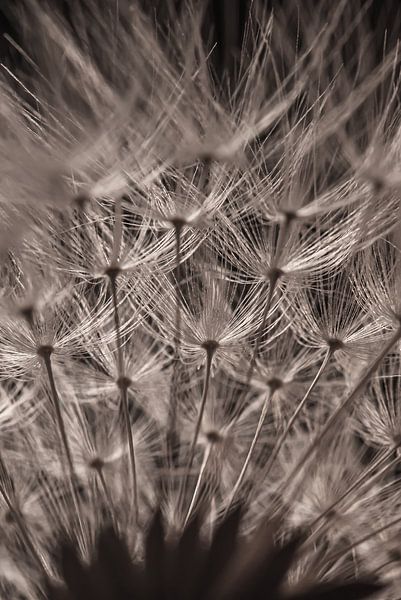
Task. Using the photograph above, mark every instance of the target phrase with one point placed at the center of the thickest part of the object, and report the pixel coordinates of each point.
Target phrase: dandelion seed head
(200, 293)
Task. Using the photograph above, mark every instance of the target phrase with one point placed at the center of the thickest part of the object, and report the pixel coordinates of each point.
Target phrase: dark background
(224, 22)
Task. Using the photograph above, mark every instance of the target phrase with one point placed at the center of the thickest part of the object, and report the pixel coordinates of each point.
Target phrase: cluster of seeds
(200, 294)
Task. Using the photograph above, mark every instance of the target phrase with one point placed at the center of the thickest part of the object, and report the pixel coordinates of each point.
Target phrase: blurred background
(224, 21)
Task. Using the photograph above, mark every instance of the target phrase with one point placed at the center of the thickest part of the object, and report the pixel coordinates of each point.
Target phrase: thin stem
(172, 426)
(241, 476)
(112, 272)
(274, 276)
(178, 226)
(205, 175)
(45, 353)
(210, 348)
(297, 411)
(177, 337)
(359, 387)
(117, 325)
(107, 495)
(123, 383)
(198, 483)
(117, 233)
(130, 438)
(273, 279)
